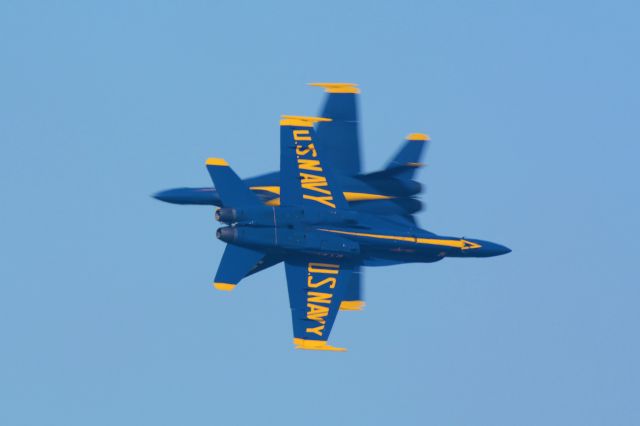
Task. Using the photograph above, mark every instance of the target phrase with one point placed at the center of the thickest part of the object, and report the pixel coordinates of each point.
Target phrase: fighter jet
(322, 239)
(391, 190)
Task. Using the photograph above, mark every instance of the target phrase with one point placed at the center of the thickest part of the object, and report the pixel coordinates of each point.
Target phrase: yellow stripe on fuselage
(349, 196)
(379, 236)
(461, 244)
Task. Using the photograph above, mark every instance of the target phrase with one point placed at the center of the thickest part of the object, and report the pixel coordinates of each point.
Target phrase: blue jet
(390, 191)
(322, 239)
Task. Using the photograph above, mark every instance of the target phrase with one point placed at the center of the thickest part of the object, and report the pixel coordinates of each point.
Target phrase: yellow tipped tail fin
(316, 345)
(216, 162)
(338, 87)
(301, 121)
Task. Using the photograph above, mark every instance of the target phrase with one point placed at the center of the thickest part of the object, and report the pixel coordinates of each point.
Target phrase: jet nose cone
(500, 250)
(166, 196)
(493, 249)
(203, 196)
(486, 249)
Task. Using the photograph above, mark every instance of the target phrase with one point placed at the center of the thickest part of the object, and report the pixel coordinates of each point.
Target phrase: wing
(266, 262)
(238, 262)
(306, 175)
(316, 288)
(340, 138)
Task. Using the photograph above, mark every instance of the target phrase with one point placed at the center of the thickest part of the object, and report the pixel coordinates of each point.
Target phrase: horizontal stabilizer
(237, 262)
(232, 190)
(265, 263)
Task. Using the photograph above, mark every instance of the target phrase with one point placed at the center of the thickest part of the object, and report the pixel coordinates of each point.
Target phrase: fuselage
(372, 193)
(373, 240)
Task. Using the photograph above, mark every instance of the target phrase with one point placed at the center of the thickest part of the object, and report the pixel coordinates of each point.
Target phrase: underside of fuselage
(374, 240)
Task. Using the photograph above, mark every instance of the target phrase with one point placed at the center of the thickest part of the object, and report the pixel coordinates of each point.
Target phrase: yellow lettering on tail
(301, 135)
(323, 268)
(316, 330)
(327, 280)
(313, 165)
(314, 182)
(326, 200)
(317, 297)
(317, 312)
(301, 151)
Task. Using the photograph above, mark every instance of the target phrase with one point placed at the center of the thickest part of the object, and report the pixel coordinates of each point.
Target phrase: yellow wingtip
(315, 345)
(301, 121)
(352, 305)
(224, 286)
(418, 137)
(216, 162)
(337, 87)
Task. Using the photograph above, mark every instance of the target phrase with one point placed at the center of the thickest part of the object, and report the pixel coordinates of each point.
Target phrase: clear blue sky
(107, 315)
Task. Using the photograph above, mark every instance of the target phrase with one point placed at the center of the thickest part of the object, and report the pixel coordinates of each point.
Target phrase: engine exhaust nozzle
(228, 215)
(227, 234)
